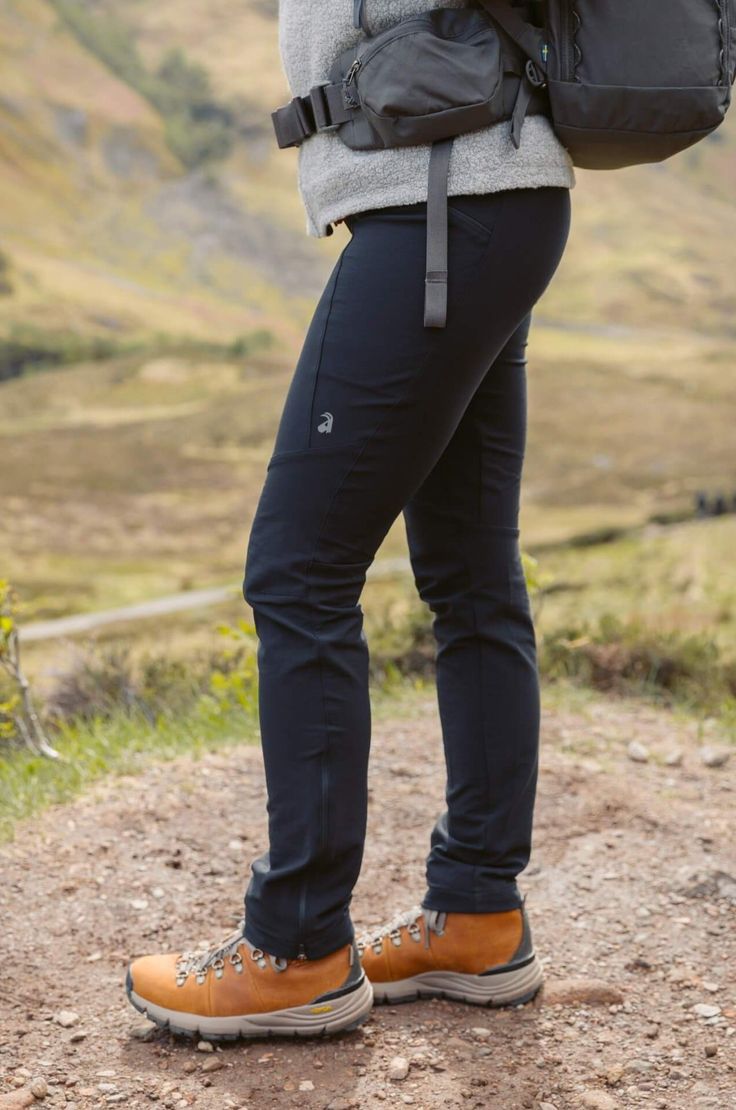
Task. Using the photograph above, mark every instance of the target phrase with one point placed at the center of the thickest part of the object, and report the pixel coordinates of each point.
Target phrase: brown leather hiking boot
(483, 958)
(236, 990)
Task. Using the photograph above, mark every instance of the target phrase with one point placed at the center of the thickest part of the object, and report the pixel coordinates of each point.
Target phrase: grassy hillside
(105, 229)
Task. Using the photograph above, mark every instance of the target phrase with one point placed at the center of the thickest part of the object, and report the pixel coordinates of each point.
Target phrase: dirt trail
(632, 881)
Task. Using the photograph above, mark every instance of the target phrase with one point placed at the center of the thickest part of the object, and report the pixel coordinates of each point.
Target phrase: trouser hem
(506, 896)
(290, 947)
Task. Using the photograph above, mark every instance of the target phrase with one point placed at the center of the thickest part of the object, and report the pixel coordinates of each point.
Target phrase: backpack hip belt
(376, 97)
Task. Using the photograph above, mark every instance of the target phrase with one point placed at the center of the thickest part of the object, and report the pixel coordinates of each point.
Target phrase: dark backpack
(623, 82)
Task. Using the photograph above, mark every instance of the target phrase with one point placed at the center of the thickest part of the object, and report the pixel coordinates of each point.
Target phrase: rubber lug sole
(514, 987)
(298, 1021)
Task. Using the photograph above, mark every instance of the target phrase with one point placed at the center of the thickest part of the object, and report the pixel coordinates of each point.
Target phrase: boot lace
(434, 922)
(198, 962)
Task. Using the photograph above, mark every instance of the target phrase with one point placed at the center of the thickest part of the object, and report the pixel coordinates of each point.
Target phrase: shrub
(615, 656)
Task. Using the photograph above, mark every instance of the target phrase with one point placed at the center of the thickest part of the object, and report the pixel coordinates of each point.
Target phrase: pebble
(673, 758)
(306, 1085)
(706, 1010)
(142, 1032)
(711, 1050)
(398, 1069)
(16, 1100)
(594, 992)
(481, 1033)
(637, 1065)
(714, 757)
(205, 1046)
(638, 752)
(39, 1087)
(614, 1074)
(597, 1100)
(213, 1064)
(80, 1035)
(66, 1018)
(342, 1104)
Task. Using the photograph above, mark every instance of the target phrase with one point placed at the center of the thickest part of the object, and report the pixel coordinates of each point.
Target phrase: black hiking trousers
(385, 416)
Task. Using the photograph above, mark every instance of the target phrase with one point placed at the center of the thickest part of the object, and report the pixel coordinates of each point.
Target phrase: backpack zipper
(568, 49)
(368, 54)
(725, 25)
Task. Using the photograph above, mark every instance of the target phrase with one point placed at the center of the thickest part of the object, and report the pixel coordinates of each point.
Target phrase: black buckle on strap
(320, 107)
(302, 116)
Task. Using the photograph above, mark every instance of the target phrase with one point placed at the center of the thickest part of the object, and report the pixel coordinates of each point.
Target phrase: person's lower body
(382, 416)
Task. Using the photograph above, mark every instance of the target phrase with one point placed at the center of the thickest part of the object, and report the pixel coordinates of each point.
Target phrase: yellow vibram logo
(323, 1009)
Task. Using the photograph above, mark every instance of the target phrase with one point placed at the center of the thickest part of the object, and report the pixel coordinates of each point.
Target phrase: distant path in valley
(164, 606)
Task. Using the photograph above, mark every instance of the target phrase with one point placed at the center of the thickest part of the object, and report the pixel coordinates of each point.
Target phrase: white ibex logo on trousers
(326, 425)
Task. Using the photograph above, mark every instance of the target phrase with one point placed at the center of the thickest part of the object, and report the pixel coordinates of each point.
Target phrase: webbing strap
(521, 104)
(525, 35)
(435, 280)
(359, 16)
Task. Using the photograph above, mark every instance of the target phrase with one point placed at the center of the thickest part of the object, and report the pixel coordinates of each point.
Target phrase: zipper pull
(348, 80)
(350, 75)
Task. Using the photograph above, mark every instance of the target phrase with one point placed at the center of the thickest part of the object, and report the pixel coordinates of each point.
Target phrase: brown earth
(632, 881)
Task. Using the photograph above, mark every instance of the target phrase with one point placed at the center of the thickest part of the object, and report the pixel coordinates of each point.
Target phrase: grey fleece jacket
(334, 180)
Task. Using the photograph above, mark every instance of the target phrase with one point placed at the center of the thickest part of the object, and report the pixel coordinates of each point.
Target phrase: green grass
(123, 744)
(127, 743)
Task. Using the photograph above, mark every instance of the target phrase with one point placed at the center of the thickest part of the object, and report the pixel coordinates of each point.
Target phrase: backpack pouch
(423, 79)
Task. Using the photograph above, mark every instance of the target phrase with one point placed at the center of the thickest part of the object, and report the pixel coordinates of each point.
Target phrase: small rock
(66, 1018)
(673, 758)
(638, 752)
(39, 1087)
(139, 903)
(398, 1069)
(714, 757)
(547, 1106)
(710, 986)
(481, 1033)
(711, 1050)
(594, 992)
(637, 1065)
(306, 1085)
(80, 1035)
(597, 1100)
(143, 1032)
(205, 1046)
(213, 1064)
(706, 1010)
(16, 1100)
(189, 1066)
(614, 1075)
(341, 1104)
